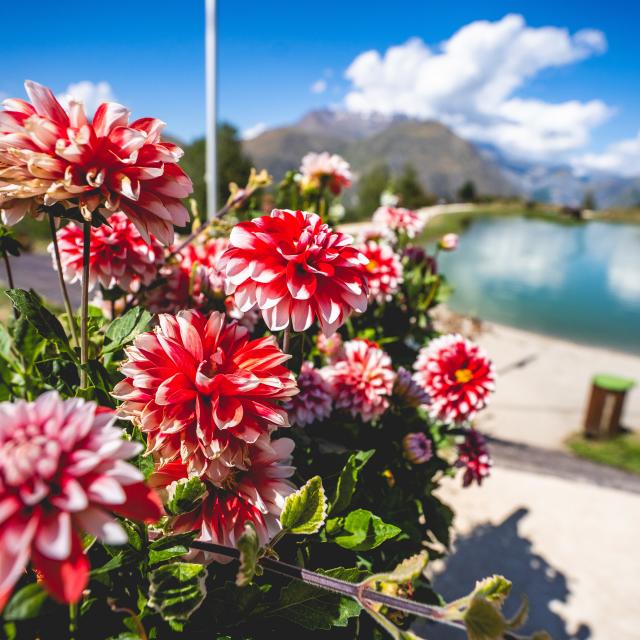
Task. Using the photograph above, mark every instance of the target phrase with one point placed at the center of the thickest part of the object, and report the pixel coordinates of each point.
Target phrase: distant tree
(589, 201)
(467, 192)
(412, 194)
(233, 165)
(370, 188)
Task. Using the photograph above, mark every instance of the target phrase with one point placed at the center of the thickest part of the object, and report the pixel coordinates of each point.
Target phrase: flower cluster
(314, 402)
(49, 155)
(400, 220)
(362, 380)
(62, 474)
(118, 256)
(457, 375)
(324, 169)
(473, 456)
(295, 269)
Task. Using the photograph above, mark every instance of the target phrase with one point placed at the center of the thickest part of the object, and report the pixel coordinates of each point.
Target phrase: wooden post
(606, 403)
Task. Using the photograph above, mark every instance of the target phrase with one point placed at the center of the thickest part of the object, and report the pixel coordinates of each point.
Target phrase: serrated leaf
(304, 511)
(125, 328)
(361, 530)
(483, 620)
(26, 603)
(314, 608)
(409, 569)
(170, 547)
(249, 547)
(176, 590)
(184, 495)
(495, 588)
(45, 323)
(348, 480)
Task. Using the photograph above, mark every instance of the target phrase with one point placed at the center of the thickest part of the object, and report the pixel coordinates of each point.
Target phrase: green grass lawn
(622, 451)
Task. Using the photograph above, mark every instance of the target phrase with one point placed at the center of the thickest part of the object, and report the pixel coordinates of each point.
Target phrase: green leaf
(483, 620)
(185, 495)
(114, 563)
(47, 325)
(125, 328)
(496, 589)
(249, 547)
(361, 530)
(25, 603)
(314, 608)
(408, 570)
(348, 480)
(5, 343)
(170, 547)
(176, 590)
(304, 511)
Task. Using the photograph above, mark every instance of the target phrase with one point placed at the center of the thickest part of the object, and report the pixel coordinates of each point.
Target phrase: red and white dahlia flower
(330, 347)
(363, 380)
(313, 403)
(118, 255)
(63, 473)
(202, 391)
(400, 220)
(473, 455)
(49, 155)
(457, 375)
(295, 268)
(384, 270)
(191, 279)
(256, 495)
(325, 169)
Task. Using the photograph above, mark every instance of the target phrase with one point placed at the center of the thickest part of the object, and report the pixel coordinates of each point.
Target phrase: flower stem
(73, 620)
(63, 286)
(285, 339)
(7, 266)
(84, 309)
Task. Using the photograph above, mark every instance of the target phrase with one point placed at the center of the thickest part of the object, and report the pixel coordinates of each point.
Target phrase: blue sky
(271, 53)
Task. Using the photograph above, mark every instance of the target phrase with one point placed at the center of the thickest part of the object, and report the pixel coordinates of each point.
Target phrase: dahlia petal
(301, 315)
(66, 579)
(53, 538)
(142, 504)
(103, 526)
(106, 490)
(108, 116)
(72, 496)
(14, 558)
(45, 102)
(277, 317)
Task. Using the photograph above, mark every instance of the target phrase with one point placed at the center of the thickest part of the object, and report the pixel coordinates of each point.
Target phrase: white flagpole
(211, 173)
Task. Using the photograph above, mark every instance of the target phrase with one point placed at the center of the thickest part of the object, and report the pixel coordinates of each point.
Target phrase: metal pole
(211, 173)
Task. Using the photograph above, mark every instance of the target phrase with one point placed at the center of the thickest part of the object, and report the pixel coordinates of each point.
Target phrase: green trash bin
(606, 403)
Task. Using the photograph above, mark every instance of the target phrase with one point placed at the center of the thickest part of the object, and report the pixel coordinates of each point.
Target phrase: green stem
(84, 309)
(7, 266)
(63, 286)
(73, 620)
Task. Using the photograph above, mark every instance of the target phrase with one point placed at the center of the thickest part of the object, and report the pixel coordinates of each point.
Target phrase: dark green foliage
(412, 193)
(370, 188)
(467, 192)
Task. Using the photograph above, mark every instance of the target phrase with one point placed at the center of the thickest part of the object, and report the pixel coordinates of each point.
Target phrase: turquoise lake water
(580, 282)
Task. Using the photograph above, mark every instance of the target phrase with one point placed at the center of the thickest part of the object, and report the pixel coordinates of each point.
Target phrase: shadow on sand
(490, 549)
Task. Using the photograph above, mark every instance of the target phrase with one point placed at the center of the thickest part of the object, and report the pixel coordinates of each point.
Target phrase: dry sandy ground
(571, 547)
(544, 401)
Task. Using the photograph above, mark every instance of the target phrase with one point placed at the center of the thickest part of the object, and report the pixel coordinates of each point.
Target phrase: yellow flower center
(463, 375)
(372, 266)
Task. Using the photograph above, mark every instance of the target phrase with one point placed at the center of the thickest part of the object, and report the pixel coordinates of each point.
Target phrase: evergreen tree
(412, 194)
(589, 201)
(467, 192)
(370, 188)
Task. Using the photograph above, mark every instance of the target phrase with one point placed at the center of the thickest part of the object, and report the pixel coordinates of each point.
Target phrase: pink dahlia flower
(325, 169)
(49, 155)
(363, 380)
(119, 255)
(313, 403)
(384, 271)
(417, 448)
(202, 391)
(458, 376)
(255, 494)
(401, 220)
(473, 455)
(295, 268)
(330, 347)
(63, 473)
(192, 279)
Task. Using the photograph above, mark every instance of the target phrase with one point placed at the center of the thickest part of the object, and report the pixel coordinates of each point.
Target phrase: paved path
(571, 547)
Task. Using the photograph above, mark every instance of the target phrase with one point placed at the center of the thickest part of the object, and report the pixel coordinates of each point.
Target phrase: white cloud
(90, 93)
(319, 86)
(469, 82)
(254, 131)
(622, 157)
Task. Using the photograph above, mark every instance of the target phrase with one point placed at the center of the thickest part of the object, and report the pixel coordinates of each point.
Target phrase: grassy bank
(622, 451)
